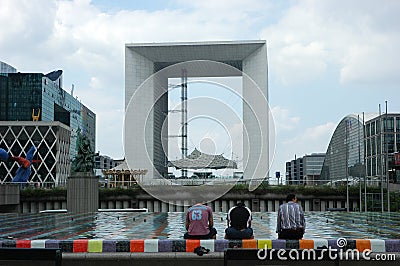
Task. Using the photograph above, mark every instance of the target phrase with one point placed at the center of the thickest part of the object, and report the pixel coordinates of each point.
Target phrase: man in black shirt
(239, 223)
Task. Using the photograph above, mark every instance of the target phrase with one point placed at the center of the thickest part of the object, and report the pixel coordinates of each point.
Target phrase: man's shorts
(232, 233)
(210, 235)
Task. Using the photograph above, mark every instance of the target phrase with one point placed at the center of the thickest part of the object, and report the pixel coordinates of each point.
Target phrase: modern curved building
(6, 68)
(345, 154)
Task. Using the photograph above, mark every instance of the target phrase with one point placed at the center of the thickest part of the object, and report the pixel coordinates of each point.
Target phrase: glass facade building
(36, 96)
(345, 154)
(6, 68)
(382, 140)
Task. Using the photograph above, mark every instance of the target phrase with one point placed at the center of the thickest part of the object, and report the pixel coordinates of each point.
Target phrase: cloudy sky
(326, 58)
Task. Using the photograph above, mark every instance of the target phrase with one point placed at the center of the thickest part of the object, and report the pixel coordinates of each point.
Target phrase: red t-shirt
(198, 216)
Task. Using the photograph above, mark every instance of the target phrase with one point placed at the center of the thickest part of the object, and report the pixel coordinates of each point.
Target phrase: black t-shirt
(239, 217)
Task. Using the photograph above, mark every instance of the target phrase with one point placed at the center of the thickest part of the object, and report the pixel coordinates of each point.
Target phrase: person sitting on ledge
(239, 222)
(199, 223)
(290, 220)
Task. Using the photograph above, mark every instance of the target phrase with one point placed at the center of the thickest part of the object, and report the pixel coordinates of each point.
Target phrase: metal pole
(387, 157)
(184, 118)
(380, 155)
(366, 167)
(347, 172)
(359, 163)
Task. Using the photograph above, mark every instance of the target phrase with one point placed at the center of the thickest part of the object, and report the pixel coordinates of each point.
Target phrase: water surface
(130, 225)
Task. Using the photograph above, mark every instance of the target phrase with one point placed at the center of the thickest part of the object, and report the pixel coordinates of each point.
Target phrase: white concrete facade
(248, 58)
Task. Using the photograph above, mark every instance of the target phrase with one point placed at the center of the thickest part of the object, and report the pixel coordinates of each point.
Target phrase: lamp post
(346, 164)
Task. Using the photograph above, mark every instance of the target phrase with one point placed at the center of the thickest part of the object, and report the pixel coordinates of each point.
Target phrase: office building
(39, 97)
(382, 140)
(344, 161)
(29, 98)
(6, 68)
(305, 170)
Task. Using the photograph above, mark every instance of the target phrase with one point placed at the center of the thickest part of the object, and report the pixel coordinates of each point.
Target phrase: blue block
(164, 245)
(392, 245)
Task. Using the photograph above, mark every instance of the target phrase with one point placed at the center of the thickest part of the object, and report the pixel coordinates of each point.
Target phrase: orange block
(23, 244)
(137, 245)
(363, 244)
(80, 245)
(249, 243)
(306, 244)
(191, 244)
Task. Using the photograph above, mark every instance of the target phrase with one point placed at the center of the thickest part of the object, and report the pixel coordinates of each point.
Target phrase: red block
(80, 245)
(306, 244)
(363, 244)
(191, 244)
(249, 243)
(137, 245)
(23, 244)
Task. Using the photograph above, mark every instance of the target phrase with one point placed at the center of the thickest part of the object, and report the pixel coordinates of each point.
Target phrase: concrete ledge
(153, 259)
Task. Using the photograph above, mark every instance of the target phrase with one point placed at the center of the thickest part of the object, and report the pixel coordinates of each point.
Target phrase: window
(389, 124)
(397, 124)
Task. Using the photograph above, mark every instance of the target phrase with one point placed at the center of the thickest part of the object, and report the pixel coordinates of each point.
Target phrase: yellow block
(264, 243)
(95, 245)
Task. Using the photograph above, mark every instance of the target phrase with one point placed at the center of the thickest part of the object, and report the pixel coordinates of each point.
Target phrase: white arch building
(144, 133)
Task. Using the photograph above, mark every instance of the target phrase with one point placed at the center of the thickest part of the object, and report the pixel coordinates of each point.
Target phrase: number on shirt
(196, 215)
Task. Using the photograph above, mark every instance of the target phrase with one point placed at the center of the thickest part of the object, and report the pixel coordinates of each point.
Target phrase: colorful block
(207, 243)
(123, 246)
(23, 244)
(179, 245)
(378, 245)
(333, 244)
(292, 244)
(320, 243)
(137, 245)
(52, 243)
(95, 245)
(249, 243)
(279, 244)
(80, 245)
(109, 246)
(235, 243)
(39, 243)
(151, 245)
(392, 245)
(363, 244)
(351, 244)
(66, 245)
(306, 244)
(220, 245)
(191, 244)
(165, 245)
(9, 243)
(264, 244)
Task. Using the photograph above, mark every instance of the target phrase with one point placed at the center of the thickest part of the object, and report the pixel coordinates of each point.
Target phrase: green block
(95, 245)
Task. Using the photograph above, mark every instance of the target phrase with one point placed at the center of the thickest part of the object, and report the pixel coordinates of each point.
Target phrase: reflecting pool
(132, 225)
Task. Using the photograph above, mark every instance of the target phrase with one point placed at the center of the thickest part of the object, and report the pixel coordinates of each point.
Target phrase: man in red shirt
(199, 223)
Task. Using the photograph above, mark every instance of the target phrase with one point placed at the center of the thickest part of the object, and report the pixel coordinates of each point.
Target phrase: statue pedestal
(9, 198)
(82, 193)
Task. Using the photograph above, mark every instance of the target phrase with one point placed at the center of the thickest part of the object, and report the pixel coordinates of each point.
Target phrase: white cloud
(318, 136)
(356, 39)
(283, 120)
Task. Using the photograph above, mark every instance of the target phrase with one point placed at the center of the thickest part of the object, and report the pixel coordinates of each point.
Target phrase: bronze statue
(84, 159)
